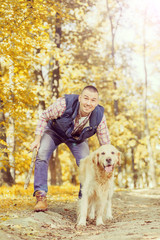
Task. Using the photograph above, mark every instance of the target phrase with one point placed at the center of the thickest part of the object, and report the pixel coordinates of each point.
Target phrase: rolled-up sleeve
(52, 112)
(103, 132)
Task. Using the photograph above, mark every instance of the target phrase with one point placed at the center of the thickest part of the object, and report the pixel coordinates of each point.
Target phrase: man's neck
(81, 114)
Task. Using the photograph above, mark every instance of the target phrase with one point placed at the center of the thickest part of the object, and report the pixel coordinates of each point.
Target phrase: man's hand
(36, 143)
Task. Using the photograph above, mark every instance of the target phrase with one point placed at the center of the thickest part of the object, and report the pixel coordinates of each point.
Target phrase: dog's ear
(95, 158)
(119, 158)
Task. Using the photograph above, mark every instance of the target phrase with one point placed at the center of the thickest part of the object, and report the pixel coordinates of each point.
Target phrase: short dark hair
(91, 88)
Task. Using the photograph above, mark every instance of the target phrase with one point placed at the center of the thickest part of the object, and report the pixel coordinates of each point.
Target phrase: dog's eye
(103, 153)
(112, 152)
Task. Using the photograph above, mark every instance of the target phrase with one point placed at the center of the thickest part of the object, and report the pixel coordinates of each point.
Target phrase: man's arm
(36, 143)
(103, 132)
(52, 112)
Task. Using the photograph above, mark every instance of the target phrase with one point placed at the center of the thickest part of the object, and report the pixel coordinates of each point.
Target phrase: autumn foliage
(50, 48)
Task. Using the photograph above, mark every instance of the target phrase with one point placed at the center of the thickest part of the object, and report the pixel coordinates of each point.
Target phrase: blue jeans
(49, 142)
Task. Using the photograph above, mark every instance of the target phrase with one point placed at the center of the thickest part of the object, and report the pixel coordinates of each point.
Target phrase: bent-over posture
(71, 119)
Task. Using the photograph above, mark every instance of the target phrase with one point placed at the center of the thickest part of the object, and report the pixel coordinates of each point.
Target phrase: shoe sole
(41, 210)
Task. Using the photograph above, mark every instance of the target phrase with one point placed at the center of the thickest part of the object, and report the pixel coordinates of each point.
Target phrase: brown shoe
(41, 205)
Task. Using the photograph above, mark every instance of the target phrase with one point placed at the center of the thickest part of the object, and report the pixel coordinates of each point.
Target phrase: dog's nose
(108, 160)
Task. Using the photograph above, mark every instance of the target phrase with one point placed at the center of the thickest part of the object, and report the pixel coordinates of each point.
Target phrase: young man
(70, 120)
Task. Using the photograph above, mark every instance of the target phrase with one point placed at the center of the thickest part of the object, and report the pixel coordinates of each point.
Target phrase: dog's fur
(96, 173)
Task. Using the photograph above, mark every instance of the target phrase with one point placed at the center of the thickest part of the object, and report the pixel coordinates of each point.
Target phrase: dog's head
(107, 157)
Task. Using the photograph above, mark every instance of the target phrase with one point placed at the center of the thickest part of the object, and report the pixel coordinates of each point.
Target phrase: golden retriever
(96, 173)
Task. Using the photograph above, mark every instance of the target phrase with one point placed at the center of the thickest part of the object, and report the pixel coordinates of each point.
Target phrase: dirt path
(136, 217)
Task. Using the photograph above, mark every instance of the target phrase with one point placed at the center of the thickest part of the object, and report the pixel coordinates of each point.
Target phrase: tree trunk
(55, 169)
(151, 170)
(113, 27)
(5, 175)
(11, 147)
(40, 82)
(135, 176)
(54, 68)
(54, 78)
(11, 136)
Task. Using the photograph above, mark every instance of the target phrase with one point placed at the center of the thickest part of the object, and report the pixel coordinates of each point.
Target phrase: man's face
(88, 101)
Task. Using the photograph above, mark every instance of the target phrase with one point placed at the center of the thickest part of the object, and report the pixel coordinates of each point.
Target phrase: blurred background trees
(49, 48)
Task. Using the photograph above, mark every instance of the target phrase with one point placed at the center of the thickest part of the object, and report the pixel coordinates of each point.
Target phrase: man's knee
(43, 154)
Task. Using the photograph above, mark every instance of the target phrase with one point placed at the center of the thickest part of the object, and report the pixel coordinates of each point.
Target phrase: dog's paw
(99, 222)
(81, 223)
(109, 217)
